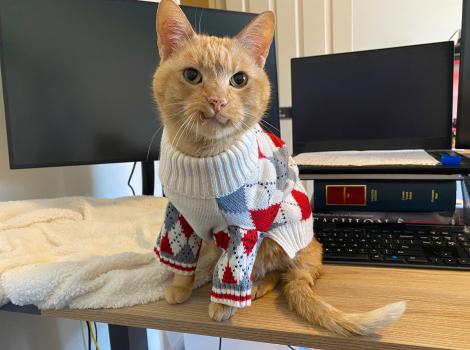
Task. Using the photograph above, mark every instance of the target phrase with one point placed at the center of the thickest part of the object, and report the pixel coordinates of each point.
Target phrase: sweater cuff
(231, 296)
(174, 265)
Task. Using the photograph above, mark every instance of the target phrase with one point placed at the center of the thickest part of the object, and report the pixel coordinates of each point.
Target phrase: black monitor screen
(463, 109)
(77, 78)
(397, 98)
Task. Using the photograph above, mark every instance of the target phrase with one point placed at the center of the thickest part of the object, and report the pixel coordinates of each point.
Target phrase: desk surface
(437, 317)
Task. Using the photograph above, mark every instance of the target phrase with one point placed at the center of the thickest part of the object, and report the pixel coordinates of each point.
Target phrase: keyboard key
(376, 257)
(352, 257)
(406, 236)
(410, 252)
(450, 261)
(394, 259)
(464, 262)
(445, 255)
(417, 260)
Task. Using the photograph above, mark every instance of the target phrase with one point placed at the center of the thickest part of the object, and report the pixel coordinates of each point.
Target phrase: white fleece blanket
(82, 252)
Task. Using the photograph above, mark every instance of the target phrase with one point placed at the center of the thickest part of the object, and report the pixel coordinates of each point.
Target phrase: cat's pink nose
(217, 103)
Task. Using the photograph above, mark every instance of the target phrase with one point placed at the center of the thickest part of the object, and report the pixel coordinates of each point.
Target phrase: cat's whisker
(247, 127)
(187, 124)
(265, 122)
(182, 128)
(179, 130)
(151, 141)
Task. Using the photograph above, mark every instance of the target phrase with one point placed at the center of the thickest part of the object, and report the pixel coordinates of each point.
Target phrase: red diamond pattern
(276, 140)
(187, 229)
(263, 218)
(165, 244)
(249, 240)
(302, 200)
(228, 275)
(222, 239)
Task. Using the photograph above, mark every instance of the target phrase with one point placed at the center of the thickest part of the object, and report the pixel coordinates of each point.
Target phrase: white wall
(386, 23)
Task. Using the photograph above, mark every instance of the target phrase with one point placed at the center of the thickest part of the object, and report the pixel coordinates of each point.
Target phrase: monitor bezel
(444, 142)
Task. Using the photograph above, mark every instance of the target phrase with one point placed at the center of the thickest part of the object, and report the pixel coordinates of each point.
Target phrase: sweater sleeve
(232, 280)
(178, 245)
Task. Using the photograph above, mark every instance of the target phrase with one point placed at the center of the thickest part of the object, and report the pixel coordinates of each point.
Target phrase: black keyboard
(396, 245)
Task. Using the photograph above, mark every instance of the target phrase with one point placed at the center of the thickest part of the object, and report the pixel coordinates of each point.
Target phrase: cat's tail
(301, 298)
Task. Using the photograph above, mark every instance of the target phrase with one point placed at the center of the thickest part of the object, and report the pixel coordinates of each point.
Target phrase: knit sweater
(238, 197)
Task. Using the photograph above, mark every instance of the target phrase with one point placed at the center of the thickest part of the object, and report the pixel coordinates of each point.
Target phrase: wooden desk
(438, 314)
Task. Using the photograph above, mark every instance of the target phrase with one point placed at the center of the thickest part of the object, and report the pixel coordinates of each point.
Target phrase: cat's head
(210, 88)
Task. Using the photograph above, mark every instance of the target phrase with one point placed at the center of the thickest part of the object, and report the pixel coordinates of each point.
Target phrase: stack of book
(388, 201)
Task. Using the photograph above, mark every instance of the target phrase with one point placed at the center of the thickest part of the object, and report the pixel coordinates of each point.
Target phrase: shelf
(438, 314)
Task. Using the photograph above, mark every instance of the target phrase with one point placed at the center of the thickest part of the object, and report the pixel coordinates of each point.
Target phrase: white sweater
(238, 197)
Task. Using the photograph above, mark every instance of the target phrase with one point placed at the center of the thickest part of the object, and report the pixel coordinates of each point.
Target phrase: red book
(346, 195)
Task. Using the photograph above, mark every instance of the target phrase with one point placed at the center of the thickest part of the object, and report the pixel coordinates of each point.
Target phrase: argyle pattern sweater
(237, 198)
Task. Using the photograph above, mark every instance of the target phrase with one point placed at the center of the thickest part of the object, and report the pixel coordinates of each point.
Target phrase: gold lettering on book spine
(406, 195)
(373, 195)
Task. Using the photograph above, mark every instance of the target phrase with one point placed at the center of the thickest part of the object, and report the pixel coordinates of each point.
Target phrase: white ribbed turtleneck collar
(209, 177)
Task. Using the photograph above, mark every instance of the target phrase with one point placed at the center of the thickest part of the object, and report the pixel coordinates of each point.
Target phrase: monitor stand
(148, 178)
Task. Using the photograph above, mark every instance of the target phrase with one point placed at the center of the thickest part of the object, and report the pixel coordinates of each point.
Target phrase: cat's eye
(238, 80)
(192, 76)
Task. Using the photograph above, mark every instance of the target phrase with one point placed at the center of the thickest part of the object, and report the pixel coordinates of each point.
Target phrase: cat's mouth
(215, 120)
(213, 125)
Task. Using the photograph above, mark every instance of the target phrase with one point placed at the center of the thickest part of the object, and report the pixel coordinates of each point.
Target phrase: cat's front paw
(221, 312)
(260, 289)
(177, 294)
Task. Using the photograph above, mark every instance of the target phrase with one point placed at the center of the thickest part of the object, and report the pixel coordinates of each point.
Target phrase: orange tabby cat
(204, 115)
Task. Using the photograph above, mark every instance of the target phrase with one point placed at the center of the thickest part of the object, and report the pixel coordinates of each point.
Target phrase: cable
(291, 347)
(93, 337)
(96, 331)
(220, 343)
(130, 178)
(89, 335)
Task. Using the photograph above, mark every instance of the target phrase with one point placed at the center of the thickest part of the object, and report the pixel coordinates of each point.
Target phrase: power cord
(89, 335)
(130, 178)
(96, 331)
(291, 347)
(220, 343)
(92, 335)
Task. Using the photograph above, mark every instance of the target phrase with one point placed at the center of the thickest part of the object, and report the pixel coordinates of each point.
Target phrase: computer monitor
(396, 98)
(77, 78)
(462, 139)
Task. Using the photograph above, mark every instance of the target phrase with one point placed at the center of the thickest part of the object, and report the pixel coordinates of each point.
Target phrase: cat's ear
(173, 28)
(257, 36)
